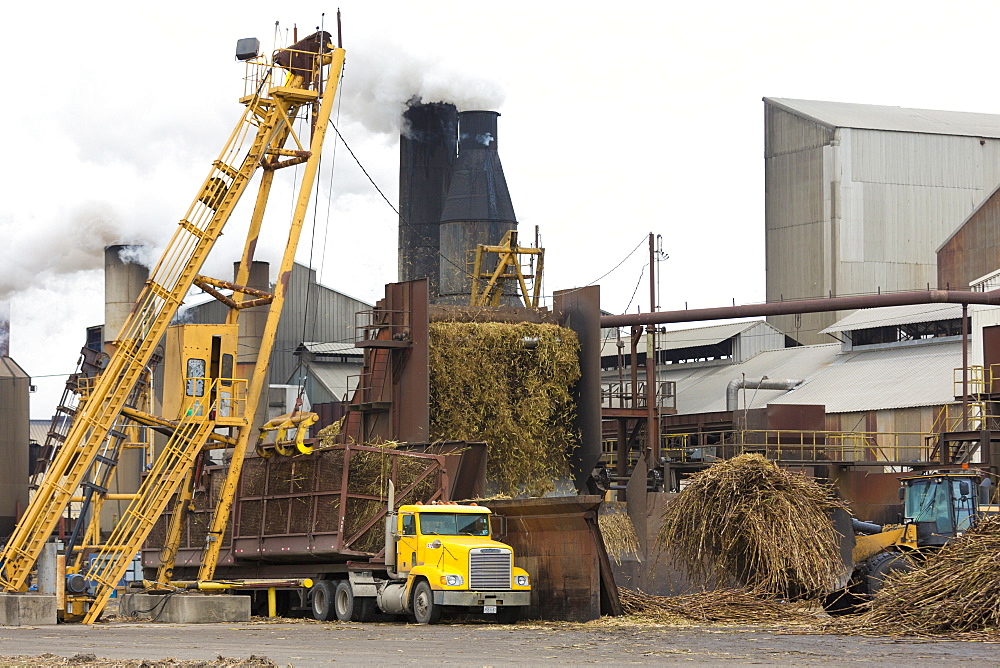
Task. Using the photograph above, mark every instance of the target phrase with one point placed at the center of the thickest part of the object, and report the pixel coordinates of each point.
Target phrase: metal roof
(900, 119)
(920, 374)
(688, 338)
(338, 378)
(701, 388)
(38, 430)
(330, 348)
(894, 315)
(899, 377)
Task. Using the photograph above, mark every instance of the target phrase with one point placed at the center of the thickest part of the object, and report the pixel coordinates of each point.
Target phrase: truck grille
(489, 568)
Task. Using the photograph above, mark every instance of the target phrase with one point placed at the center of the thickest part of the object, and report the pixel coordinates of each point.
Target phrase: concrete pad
(186, 607)
(27, 609)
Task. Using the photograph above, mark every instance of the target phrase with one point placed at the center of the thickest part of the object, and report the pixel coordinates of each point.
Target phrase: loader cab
(941, 505)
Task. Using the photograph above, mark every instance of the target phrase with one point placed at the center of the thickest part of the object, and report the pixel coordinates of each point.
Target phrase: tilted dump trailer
(324, 518)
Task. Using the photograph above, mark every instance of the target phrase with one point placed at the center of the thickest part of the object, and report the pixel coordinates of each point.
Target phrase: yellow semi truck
(439, 557)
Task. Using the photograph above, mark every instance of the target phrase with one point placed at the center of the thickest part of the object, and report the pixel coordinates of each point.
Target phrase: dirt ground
(302, 643)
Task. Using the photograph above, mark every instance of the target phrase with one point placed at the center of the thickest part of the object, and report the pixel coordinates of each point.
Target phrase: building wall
(974, 249)
(14, 388)
(906, 423)
(853, 211)
(314, 313)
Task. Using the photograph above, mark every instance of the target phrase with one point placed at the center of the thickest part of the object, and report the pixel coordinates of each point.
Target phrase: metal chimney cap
(477, 130)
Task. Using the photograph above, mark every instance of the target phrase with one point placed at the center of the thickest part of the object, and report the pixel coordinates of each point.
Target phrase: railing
(798, 446)
(620, 395)
(229, 395)
(380, 325)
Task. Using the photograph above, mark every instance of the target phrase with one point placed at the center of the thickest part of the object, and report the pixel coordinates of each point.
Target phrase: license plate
(490, 609)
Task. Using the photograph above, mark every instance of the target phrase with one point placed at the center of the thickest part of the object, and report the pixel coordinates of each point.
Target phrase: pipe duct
(765, 383)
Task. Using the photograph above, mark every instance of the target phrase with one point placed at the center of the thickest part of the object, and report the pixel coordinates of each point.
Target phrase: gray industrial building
(312, 312)
(858, 198)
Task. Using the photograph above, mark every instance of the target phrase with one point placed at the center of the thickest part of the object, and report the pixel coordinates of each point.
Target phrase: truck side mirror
(902, 492)
(984, 491)
(964, 489)
(498, 526)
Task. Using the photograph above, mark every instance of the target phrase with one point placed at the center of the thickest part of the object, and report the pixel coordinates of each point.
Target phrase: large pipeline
(991, 298)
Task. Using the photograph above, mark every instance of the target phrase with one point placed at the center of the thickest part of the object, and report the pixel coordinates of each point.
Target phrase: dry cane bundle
(620, 539)
(957, 589)
(511, 386)
(746, 521)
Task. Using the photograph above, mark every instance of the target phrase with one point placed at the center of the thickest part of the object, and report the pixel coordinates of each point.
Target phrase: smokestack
(4, 329)
(427, 148)
(478, 209)
(123, 282)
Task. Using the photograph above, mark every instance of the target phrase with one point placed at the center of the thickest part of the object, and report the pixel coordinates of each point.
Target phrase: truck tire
(881, 565)
(351, 608)
(322, 594)
(425, 611)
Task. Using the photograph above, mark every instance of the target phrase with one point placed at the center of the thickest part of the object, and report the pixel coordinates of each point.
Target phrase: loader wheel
(425, 611)
(881, 565)
(846, 601)
(322, 601)
(351, 608)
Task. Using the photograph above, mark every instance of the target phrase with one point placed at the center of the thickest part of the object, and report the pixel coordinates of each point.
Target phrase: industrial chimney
(478, 209)
(123, 282)
(427, 148)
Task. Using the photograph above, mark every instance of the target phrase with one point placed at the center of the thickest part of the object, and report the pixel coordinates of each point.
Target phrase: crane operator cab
(942, 505)
(200, 375)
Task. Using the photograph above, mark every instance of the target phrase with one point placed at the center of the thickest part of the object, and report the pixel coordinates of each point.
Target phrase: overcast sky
(617, 120)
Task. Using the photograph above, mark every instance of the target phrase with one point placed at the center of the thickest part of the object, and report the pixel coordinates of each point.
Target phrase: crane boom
(311, 70)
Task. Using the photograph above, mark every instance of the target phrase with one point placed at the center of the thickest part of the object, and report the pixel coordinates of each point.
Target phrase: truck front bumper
(477, 599)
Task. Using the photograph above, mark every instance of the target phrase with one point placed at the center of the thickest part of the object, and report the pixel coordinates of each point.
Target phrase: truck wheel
(425, 611)
(351, 608)
(883, 563)
(322, 600)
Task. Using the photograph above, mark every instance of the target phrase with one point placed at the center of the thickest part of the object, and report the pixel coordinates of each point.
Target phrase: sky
(617, 120)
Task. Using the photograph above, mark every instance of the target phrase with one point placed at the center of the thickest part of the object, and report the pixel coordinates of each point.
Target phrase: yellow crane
(206, 405)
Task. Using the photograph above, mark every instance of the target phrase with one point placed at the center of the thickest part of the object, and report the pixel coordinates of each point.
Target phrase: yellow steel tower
(206, 405)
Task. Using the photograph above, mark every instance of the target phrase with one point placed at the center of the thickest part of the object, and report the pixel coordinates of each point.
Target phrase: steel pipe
(991, 298)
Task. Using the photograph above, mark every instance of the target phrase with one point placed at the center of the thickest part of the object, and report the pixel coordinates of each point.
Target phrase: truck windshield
(454, 524)
(939, 500)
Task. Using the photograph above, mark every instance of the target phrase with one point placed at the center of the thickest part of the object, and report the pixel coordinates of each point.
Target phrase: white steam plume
(74, 244)
(380, 78)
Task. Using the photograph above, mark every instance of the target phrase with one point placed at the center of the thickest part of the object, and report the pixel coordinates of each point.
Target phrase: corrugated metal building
(859, 197)
(896, 385)
(973, 250)
(312, 312)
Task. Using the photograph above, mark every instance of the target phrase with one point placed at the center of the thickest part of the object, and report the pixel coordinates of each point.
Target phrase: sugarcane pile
(956, 590)
(746, 522)
(740, 606)
(509, 385)
(620, 539)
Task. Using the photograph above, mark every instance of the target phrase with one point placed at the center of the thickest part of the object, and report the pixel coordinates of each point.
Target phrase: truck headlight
(452, 580)
(521, 580)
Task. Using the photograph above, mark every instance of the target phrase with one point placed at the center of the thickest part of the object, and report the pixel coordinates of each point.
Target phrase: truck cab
(448, 558)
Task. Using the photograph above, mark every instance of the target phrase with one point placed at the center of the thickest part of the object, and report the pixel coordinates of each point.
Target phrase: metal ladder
(263, 124)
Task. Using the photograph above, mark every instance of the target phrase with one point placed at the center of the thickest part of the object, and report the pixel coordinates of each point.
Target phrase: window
(195, 385)
(227, 370)
(409, 525)
(454, 524)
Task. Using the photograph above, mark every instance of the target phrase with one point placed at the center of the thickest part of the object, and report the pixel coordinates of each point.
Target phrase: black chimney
(478, 209)
(427, 148)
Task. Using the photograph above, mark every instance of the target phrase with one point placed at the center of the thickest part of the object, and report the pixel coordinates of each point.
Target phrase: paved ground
(303, 644)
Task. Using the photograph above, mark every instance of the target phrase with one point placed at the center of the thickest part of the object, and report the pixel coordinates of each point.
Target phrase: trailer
(349, 532)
